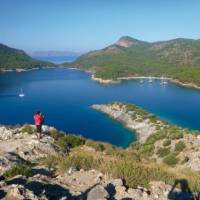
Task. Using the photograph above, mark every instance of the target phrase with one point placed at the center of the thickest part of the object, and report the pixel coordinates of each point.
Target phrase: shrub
(175, 134)
(179, 146)
(69, 141)
(27, 129)
(162, 152)
(166, 142)
(20, 169)
(96, 145)
(171, 159)
(51, 161)
(79, 161)
(54, 133)
(147, 150)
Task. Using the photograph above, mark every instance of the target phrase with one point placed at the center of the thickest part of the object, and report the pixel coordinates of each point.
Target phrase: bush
(171, 159)
(27, 129)
(96, 145)
(175, 134)
(20, 169)
(179, 146)
(51, 161)
(54, 133)
(166, 142)
(79, 161)
(162, 152)
(69, 141)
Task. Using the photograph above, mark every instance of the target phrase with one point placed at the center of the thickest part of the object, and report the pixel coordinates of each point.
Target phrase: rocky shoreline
(142, 128)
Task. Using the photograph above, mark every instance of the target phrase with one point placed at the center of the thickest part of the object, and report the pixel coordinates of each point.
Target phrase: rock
(117, 182)
(18, 192)
(98, 193)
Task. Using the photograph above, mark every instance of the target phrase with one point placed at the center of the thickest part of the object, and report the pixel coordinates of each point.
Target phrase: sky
(84, 25)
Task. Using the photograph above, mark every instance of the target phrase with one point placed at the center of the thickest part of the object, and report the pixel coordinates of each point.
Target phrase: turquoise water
(65, 97)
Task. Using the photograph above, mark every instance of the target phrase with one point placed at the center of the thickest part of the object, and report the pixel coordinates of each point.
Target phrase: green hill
(178, 59)
(11, 58)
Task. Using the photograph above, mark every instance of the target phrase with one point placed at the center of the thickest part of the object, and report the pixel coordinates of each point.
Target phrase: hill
(177, 59)
(11, 58)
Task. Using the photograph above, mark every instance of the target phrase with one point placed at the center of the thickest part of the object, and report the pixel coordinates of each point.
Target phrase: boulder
(98, 193)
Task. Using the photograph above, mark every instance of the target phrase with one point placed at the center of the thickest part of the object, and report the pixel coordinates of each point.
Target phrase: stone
(98, 193)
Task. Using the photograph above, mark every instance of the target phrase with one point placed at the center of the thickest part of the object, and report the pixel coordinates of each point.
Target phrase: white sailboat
(141, 81)
(150, 79)
(21, 94)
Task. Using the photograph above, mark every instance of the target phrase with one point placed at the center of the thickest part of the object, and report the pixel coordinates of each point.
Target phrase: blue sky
(83, 25)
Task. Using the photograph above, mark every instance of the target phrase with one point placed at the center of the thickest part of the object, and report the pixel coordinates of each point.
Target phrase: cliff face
(32, 169)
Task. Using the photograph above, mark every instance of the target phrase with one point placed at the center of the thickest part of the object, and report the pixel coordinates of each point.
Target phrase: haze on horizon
(77, 25)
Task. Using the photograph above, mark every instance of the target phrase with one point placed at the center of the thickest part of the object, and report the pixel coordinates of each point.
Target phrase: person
(39, 119)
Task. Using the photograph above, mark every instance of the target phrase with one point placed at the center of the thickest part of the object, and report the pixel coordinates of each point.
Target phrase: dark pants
(39, 128)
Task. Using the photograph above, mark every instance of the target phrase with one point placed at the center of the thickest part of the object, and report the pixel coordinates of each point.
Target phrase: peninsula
(157, 139)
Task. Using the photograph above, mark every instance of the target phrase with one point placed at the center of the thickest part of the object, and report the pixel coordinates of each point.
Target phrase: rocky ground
(44, 183)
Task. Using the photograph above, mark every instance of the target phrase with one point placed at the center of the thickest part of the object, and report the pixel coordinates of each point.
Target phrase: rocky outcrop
(43, 186)
(17, 146)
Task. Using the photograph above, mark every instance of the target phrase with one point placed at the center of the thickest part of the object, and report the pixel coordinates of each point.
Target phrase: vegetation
(166, 142)
(179, 146)
(27, 129)
(19, 169)
(11, 58)
(178, 59)
(123, 164)
(171, 159)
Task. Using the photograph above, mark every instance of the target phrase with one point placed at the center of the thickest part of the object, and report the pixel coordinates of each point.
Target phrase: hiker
(39, 118)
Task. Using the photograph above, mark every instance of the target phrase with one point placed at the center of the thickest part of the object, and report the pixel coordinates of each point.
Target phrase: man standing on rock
(39, 118)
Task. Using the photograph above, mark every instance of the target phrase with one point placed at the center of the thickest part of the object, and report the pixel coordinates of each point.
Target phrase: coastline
(175, 81)
(3, 70)
(117, 111)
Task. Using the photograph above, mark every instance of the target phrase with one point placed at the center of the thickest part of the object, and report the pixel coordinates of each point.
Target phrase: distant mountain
(11, 58)
(177, 58)
(53, 53)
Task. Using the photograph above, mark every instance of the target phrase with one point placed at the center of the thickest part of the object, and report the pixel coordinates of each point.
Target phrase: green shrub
(162, 152)
(69, 141)
(50, 161)
(20, 169)
(175, 134)
(147, 150)
(54, 133)
(166, 142)
(27, 129)
(179, 146)
(171, 159)
(96, 145)
(79, 161)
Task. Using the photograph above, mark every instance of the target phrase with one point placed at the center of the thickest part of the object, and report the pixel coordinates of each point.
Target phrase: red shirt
(38, 119)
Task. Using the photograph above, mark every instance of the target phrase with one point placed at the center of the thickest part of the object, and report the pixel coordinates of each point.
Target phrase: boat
(163, 81)
(141, 81)
(21, 94)
(150, 79)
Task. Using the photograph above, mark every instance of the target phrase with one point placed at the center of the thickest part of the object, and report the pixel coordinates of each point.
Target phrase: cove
(65, 97)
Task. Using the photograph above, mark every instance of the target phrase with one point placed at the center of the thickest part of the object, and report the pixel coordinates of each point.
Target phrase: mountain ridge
(178, 58)
(12, 58)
